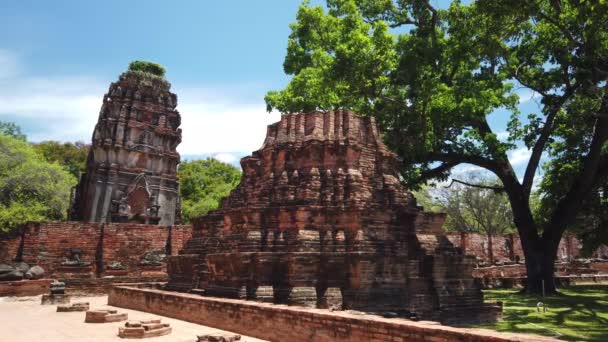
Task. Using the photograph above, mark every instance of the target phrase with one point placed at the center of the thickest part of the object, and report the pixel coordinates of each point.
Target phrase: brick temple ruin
(125, 208)
(131, 168)
(320, 218)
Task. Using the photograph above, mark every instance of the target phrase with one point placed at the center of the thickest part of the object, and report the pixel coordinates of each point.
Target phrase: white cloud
(526, 95)
(519, 156)
(214, 120)
(502, 136)
(221, 124)
(228, 158)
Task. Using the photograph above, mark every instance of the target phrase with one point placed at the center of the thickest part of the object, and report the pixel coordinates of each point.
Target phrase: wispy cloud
(214, 121)
(519, 156)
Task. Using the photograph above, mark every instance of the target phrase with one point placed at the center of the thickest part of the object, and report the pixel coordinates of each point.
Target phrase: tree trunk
(490, 249)
(540, 266)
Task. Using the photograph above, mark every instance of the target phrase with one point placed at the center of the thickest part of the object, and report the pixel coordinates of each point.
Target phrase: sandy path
(24, 319)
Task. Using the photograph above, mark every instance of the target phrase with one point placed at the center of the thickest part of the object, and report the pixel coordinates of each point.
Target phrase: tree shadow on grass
(577, 313)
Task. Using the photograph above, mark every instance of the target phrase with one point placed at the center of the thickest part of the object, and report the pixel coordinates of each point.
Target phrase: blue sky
(57, 59)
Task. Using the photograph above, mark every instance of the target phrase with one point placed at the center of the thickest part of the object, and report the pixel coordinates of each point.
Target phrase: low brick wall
(295, 324)
(48, 244)
(23, 288)
(103, 285)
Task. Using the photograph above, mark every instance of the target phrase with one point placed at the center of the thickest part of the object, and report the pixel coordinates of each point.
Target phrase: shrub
(149, 67)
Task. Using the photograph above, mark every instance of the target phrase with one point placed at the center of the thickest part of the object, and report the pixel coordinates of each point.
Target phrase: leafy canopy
(203, 183)
(31, 189)
(72, 156)
(433, 76)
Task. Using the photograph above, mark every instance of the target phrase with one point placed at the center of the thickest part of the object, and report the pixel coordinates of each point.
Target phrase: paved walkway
(24, 319)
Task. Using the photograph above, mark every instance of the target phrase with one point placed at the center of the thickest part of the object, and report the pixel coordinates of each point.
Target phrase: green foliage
(425, 197)
(148, 67)
(72, 156)
(30, 188)
(579, 313)
(431, 77)
(12, 130)
(203, 183)
(477, 209)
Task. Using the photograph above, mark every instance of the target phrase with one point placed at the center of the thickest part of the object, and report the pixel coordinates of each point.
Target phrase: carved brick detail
(131, 168)
(320, 218)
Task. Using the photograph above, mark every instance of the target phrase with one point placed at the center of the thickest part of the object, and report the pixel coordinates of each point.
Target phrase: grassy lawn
(579, 313)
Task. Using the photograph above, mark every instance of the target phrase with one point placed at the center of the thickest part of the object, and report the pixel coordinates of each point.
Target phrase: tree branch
(497, 189)
(434, 19)
(539, 146)
(407, 21)
(446, 166)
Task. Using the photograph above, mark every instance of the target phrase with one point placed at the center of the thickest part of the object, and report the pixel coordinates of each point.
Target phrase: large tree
(432, 77)
(203, 183)
(31, 189)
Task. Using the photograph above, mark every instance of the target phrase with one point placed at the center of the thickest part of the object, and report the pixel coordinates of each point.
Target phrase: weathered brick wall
(10, 245)
(477, 244)
(296, 324)
(180, 234)
(24, 287)
(48, 244)
(127, 244)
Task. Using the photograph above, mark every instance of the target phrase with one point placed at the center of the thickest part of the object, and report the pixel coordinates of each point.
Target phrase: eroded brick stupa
(320, 218)
(131, 167)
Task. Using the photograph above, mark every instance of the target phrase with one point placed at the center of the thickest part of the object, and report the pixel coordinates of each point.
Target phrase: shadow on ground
(578, 313)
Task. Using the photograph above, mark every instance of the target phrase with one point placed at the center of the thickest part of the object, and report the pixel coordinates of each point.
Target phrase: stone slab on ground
(105, 316)
(75, 307)
(144, 329)
(69, 326)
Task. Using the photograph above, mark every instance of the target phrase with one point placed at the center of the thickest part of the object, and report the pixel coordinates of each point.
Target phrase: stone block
(144, 329)
(83, 306)
(105, 316)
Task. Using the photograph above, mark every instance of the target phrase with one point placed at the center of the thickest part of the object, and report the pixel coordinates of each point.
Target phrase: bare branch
(497, 189)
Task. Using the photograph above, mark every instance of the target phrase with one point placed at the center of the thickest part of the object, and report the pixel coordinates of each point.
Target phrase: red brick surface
(24, 287)
(296, 324)
(48, 244)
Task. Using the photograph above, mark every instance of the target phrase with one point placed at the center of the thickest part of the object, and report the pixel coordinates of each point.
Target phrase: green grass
(578, 313)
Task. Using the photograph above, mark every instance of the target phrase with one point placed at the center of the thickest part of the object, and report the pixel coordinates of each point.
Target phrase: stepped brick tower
(131, 167)
(320, 218)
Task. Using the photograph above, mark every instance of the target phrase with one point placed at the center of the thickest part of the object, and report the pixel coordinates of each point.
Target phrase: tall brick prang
(131, 168)
(321, 218)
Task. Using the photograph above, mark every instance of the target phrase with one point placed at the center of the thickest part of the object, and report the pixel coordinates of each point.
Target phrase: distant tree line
(36, 179)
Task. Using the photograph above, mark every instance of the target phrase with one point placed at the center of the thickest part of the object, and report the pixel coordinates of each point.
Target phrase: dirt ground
(24, 319)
